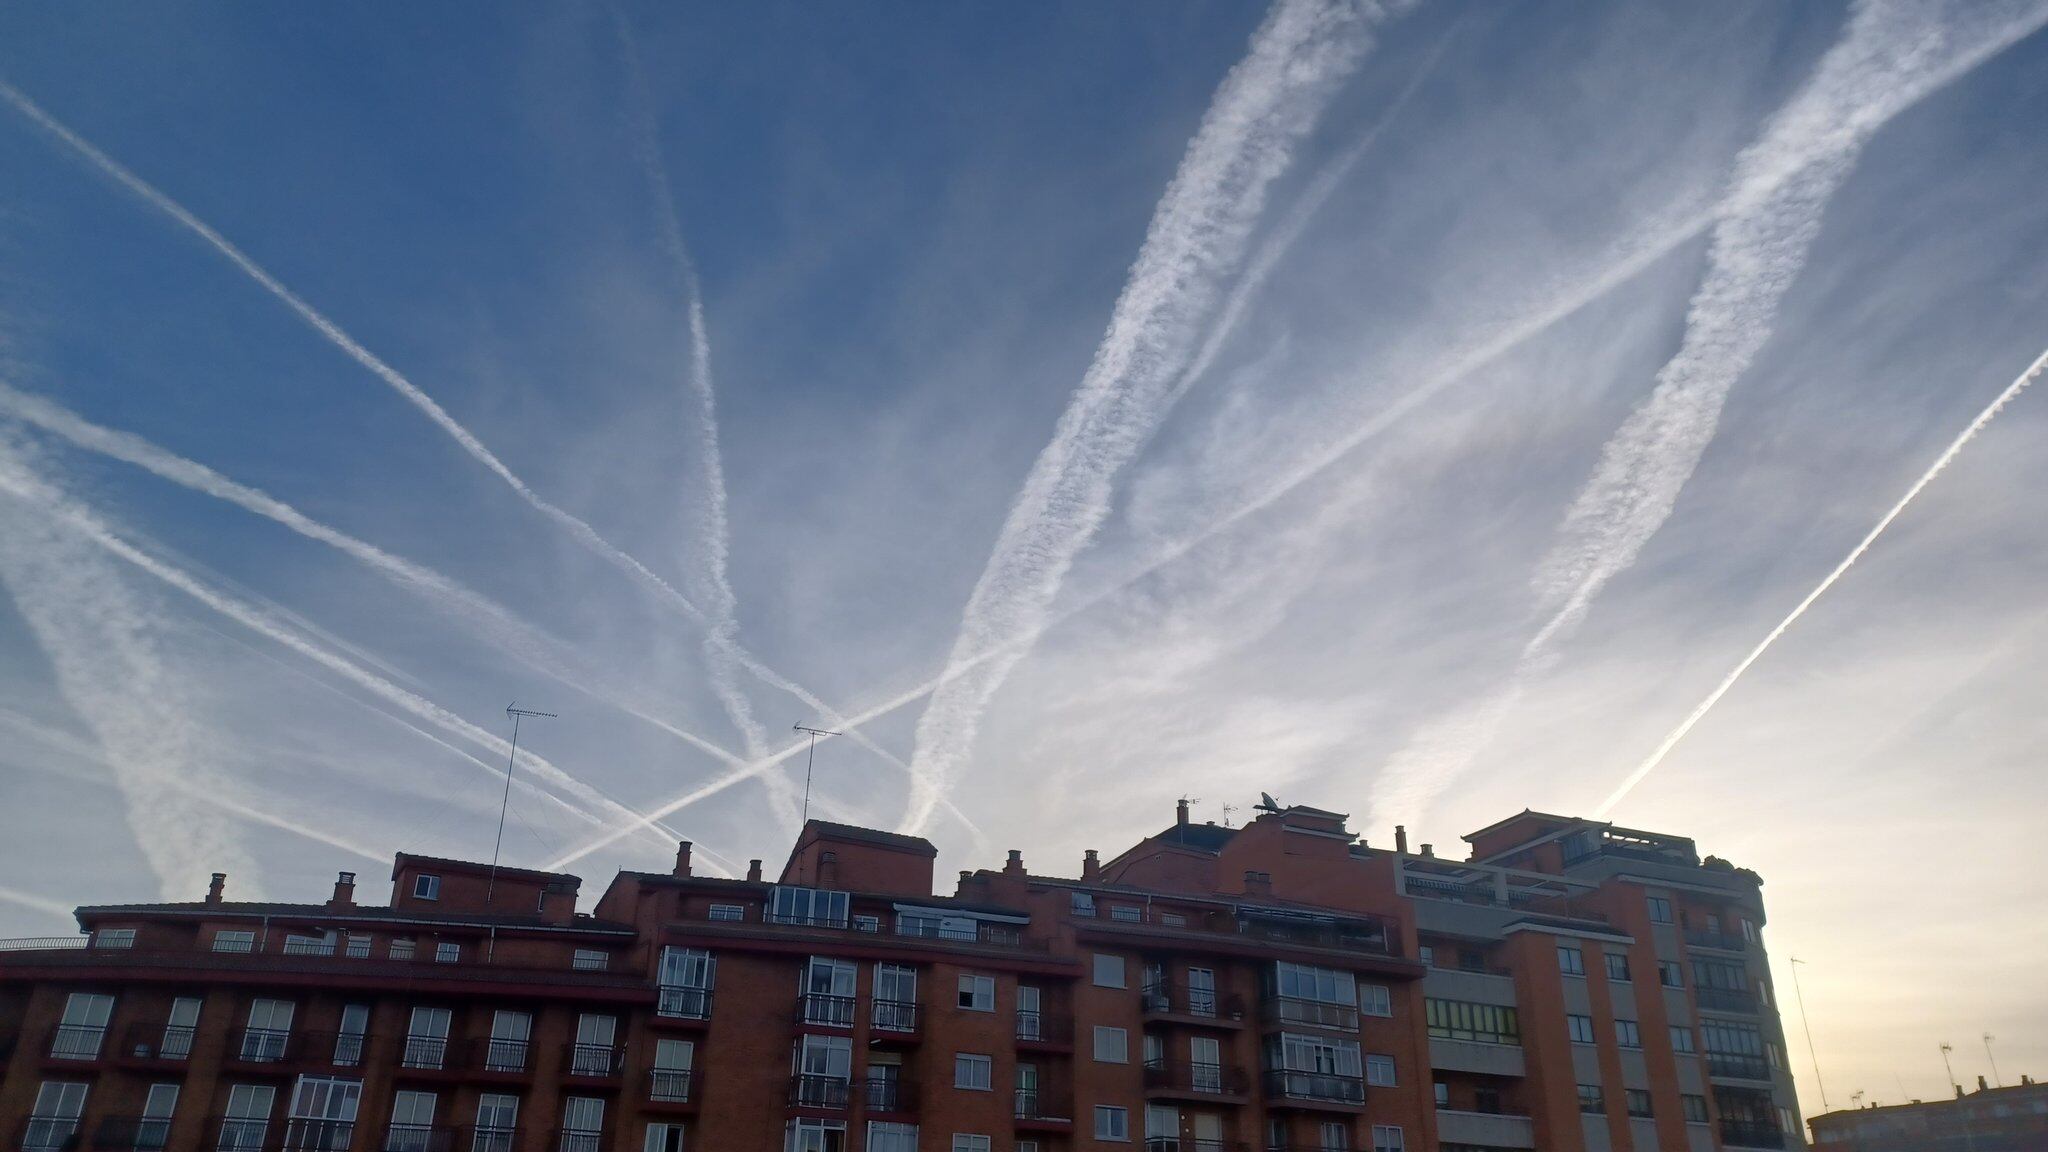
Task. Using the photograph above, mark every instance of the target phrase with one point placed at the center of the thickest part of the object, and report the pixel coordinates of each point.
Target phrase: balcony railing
(276, 955)
(894, 1016)
(1038, 1028)
(427, 1052)
(1318, 1086)
(1739, 1067)
(1194, 1078)
(133, 1133)
(418, 1138)
(579, 1140)
(76, 1041)
(1042, 1104)
(824, 1008)
(238, 1134)
(1725, 941)
(887, 1094)
(669, 1085)
(1728, 1000)
(504, 1055)
(592, 1059)
(1313, 1013)
(490, 1138)
(803, 920)
(259, 1045)
(993, 935)
(318, 1135)
(302, 946)
(683, 1003)
(1172, 998)
(48, 1133)
(819, 1091)
(1750, 1134)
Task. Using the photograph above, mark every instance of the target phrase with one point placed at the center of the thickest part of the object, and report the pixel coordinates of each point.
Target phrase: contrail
(1890, 57)
(580, 530)
(1947, 456)
(1269, 102)
(39, 903)
(532, 765)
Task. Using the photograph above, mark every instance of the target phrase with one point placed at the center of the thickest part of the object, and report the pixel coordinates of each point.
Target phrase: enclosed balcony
(826, 1010)
(888, 1094)
(1314, 1089)
(1750, 1134)
(680, 1002)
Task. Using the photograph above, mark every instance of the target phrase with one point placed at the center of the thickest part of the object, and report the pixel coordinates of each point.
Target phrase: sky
(1417, 410)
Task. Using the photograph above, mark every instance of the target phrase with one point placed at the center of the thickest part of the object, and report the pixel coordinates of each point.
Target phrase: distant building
(1988, 1120)
(1281, 987)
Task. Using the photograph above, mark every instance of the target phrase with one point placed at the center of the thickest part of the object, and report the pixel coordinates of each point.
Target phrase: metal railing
(1042, 1104)
(994, 935)
(1728, 1064)
(492, 1138)
(259, 1045)
(682, 1002)
(304, 1135)
(1172, 998)
(1724, 941)
(592, 1060)
(424, 1052)
(888, 1094)
(76, 1041)
(894, 1016)
(47, 1133)
(1751, 1134)
(825, 1008)
(1727, 1000)
(579, 1140)
(238, 1133)
(133, 1133)
(1194, 1077)
(504, 1055)
(278, 955)
(671, 1085)
(1321, 1086)
(1313, 1013)
(810, 1091)
(418, 1138)
(45, 943)
(803, 920)
(1038, 1028)
(304, 946)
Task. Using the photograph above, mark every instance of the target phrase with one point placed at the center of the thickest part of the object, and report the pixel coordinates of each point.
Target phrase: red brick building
(2013, 1119)
(1281, 986)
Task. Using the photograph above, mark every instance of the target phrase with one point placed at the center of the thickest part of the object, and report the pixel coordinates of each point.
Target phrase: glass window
(269, 1026)
(867, 923)
(426, 887)
(1581, 1028)
(84, 1025)
(54, 1123)
(1125, 913)
(1591, 1098)
(1571, 961)
(1463, 1020)
(1375, 1000)
(1638, 1102)
(1109, 971)
(1617, 966)
(447, 952)
(1112, 1123)
(1334, 1137)
(582, 1124)
(1324, 985)
(669, 1138)
(1669, 974)
(730, 912)
(401, 949)
(977, 993)
(973, 1071)
(813, 906)
(153, 1128)
(896, 1137)
(1443, 1094)
(1627, 1035)
(1112, 1045)
(1660, 910)
(412, 1122)
(114, 939)
(591, 960)
(815, 1136)
(179, 1029)
(1387, 1138)
(1681, 1039)
(1695, 1108)
(234, 941)
(1379, 1070)
(1082, 904)
(497, 1114)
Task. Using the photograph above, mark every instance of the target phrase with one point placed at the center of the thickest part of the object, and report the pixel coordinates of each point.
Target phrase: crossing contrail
(1947, 456)
(1298, 59)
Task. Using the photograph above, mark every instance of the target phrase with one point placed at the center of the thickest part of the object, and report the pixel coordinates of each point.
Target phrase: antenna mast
(517, 714)
(1947, 1048)
(1807, 1025)
(1995, 1077)
(809, 759)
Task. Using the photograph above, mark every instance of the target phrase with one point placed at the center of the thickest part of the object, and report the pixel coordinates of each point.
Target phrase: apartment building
(1282, 986)
(2005, 1119)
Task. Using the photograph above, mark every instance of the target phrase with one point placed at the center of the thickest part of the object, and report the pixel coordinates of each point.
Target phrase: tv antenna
(1947, 1048)
(1806, 1024)
(1995, 1077)
(1228, 808)
(809, 759)
(504, 805)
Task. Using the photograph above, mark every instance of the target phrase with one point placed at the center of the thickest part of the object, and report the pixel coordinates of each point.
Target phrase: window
(1787, 1123)
(1669, 974)
(1201, 991)
(269, 1026)
(1333, 1137)
(1462, 1020)
(1109, 971)
(1617, 966)
(815, 1136)
(728, 912)
(686, 978)
(426, 1038)
(1375, 1000)
(153, 1129)
(1125, 913)
(594, 1054)
(824, 1067)
(55, 1120)
(590, 960)
(1571, 961)
(447, 952)
(1749, 934)
(426, 887)
(973, 1072)
(1627, 1034)
(248, 1116)
(669, 1138)
(1379, 1070)
(497, 1115)
(412, 1122)
(582, 1124)
(1112, 1045)
(1581, 1028)
(84, 1025)
(1638, 1101)
(978, 993)
(670, 1077)
(1427, 955)
(895, 998)
(1173, 920)
(1773, 1054)
(1695, 1108)
(827, 990)
(1681, 1040)
(509, 1034)
(401, 949)
(234, 941)
(1324, 985)
(1591, 1099)
(897, 1137)
(323, 1108)
(867, 923)
(179, 1029)
(965, 1142)
(114, 939)
(358, 946)
(1660, 910)
(808, 906)
(1112, 1123)
(1387, 1138)
(1443, 1094)
(1082, 904)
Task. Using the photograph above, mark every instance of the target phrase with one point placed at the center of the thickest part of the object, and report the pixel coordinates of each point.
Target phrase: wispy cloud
(1272, 98)
(1890, 57)
(1948, 455)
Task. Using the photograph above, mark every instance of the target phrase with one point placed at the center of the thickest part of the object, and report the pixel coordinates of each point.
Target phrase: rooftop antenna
(1807, 1025)
(1995, 1077)
(504, 805)
(1856, 1098)
(810, 758)
(1228, 808)
(1947, 1048)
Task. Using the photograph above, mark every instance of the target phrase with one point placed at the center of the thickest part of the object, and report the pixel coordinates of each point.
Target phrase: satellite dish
(1268, 803)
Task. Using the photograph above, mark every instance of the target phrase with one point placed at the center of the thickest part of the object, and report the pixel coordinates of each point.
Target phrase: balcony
(154, 1044)
(502, 1055)
(592, 1061)
(826, 1010)
(1727, 1000)
(76, 1041)
(669, 1085)
(258, 1046)
(985, 934)
(1719, 941)
(1477, 1056)
(894, 1016)
(321, 1135)
(133, 1133)
(1728, 1066)
(490, 1138)
(1037, 1030)
(418, 1138)
(1485, 1129)
(1177, 1144)
(239, 1134)
(1314, 1089)
(1280, 1011)
(1751, 1134)
(809, 1091)
(424, 1053)
(1188, 1080)
(1042, 1109)
(888, 1094)
(677, 1002)
(577, 1140)
(1171, 1000)
(48, 1133)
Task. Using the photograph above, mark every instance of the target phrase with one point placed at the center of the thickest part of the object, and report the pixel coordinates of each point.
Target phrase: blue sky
(1416, 413)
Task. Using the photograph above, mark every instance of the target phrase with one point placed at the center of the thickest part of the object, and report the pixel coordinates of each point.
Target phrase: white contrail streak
(1269, 102)
(39, 903)
(581, 531)
(1890, 57)
(531, 764)
(1947, 456)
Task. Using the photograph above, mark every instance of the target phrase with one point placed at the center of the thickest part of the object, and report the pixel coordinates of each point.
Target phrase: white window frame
(727, 913)
(1112, 1123)
(426, 886)
(891, 1136)
(977, 993)
(113, 939)
(1389, 1138)
(1108, 970)
(974, 1072)
(590, 960)
(1572, 1028)
(663, 1137)
(971, 1142)
(234, 940)
(447, 952)
(1112, 1045)
(1375, 1000)
(1380, 1071)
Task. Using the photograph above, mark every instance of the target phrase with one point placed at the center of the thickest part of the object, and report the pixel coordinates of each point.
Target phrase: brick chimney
(1180, 814)
(1429, 850)
(344, 891)
(682, 858)
(219, 885)
(1091, 867)
(1401, 839)
(828, 869)
(1014, 866)
(754, 871)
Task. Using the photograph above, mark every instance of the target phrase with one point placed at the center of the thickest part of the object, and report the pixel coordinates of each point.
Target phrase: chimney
(219, 885)
(344, 891)
(1091, 867)
(1401, 839)
(1180, 817)
(1258, 883)
(682, 858)
(1959, 1091)
(828, 869)
(1429, 850)
(1982, 1086)
(754, 871)
(1014, 866)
